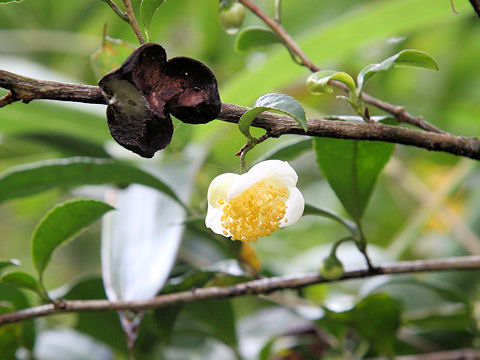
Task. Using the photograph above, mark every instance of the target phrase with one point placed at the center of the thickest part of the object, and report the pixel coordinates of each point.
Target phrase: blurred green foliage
(426, 204)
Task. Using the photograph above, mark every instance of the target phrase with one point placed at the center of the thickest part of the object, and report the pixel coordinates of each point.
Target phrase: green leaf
(317, 83)
(37, 177)
(22, 280)
(110, 56)
(313, 210)
(20, 301)
(9, 334)
(67, 145)
(147, 10)
(62, 223)
(267, 350)
(351, 168)
(280, 103)
(5, 263)
(9, 1)
(165, 319)
(254, 37)
(376, 318)
(410, 58)
(288, 151)
(214, 318)
(94, 324)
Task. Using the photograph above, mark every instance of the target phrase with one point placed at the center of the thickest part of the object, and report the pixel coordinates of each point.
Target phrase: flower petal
(295, 205)
(219, 188)
(213, 220)
(273, 171)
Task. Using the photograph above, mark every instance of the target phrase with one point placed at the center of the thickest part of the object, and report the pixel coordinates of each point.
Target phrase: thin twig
(398, 111)
(278, 28)
(255, 287)
(133, 21)
(26, 89)
(458, 354)
(117, 10)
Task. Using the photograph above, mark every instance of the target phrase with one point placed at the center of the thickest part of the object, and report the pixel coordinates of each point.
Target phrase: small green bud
(331, 268)
(231, 17)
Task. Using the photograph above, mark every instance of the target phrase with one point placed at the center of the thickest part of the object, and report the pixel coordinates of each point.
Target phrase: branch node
(60, 304)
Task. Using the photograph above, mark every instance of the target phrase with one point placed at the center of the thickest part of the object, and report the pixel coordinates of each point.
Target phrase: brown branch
(284, 35)
(398, 111)
(277, 125)
(459, 354)
(255, 287)
(27, 89)
(133, 21)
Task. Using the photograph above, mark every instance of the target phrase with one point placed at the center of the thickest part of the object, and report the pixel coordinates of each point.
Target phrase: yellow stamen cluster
(256, 212)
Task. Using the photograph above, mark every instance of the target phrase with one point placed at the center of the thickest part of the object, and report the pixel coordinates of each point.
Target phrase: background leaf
(45, 175)
(67, 145)
(93, 324)
(147, 10)
(214, 318)
(254, 37)
(110, 56)
(12, 295)
(351, 168)
(61, 224)
(288, 151)
(410, 58)
(376, 318)
(22, 280)
(4, 264)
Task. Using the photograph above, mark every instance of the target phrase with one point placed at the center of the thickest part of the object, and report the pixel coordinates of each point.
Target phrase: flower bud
(231, 17)
(331, 268)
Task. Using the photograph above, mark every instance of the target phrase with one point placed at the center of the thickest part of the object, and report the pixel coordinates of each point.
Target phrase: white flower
(246, 207)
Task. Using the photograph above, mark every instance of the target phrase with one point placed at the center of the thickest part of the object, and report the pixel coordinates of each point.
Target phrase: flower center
(256, 212)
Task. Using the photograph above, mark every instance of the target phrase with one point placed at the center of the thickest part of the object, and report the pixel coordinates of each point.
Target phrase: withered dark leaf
(476, 6)
(146, 89)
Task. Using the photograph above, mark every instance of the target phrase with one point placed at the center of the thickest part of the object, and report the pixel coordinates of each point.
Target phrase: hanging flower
(255, 204)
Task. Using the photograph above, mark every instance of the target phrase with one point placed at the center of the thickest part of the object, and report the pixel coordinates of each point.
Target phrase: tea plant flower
(255, 204)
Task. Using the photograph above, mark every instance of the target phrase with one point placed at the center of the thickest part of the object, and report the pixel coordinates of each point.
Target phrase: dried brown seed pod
(476, 6)
(147, 88)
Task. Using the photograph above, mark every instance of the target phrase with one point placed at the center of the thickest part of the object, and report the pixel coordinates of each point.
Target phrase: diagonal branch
(255, 287)
(26, 89)
(132, 20)
(398, 111)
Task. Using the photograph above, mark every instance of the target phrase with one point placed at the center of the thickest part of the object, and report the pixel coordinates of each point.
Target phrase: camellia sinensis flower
(255, 204)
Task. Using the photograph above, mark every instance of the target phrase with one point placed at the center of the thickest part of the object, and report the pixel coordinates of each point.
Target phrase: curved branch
(26, 89)
(132, 20)
(398, 111)
(255, 287)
